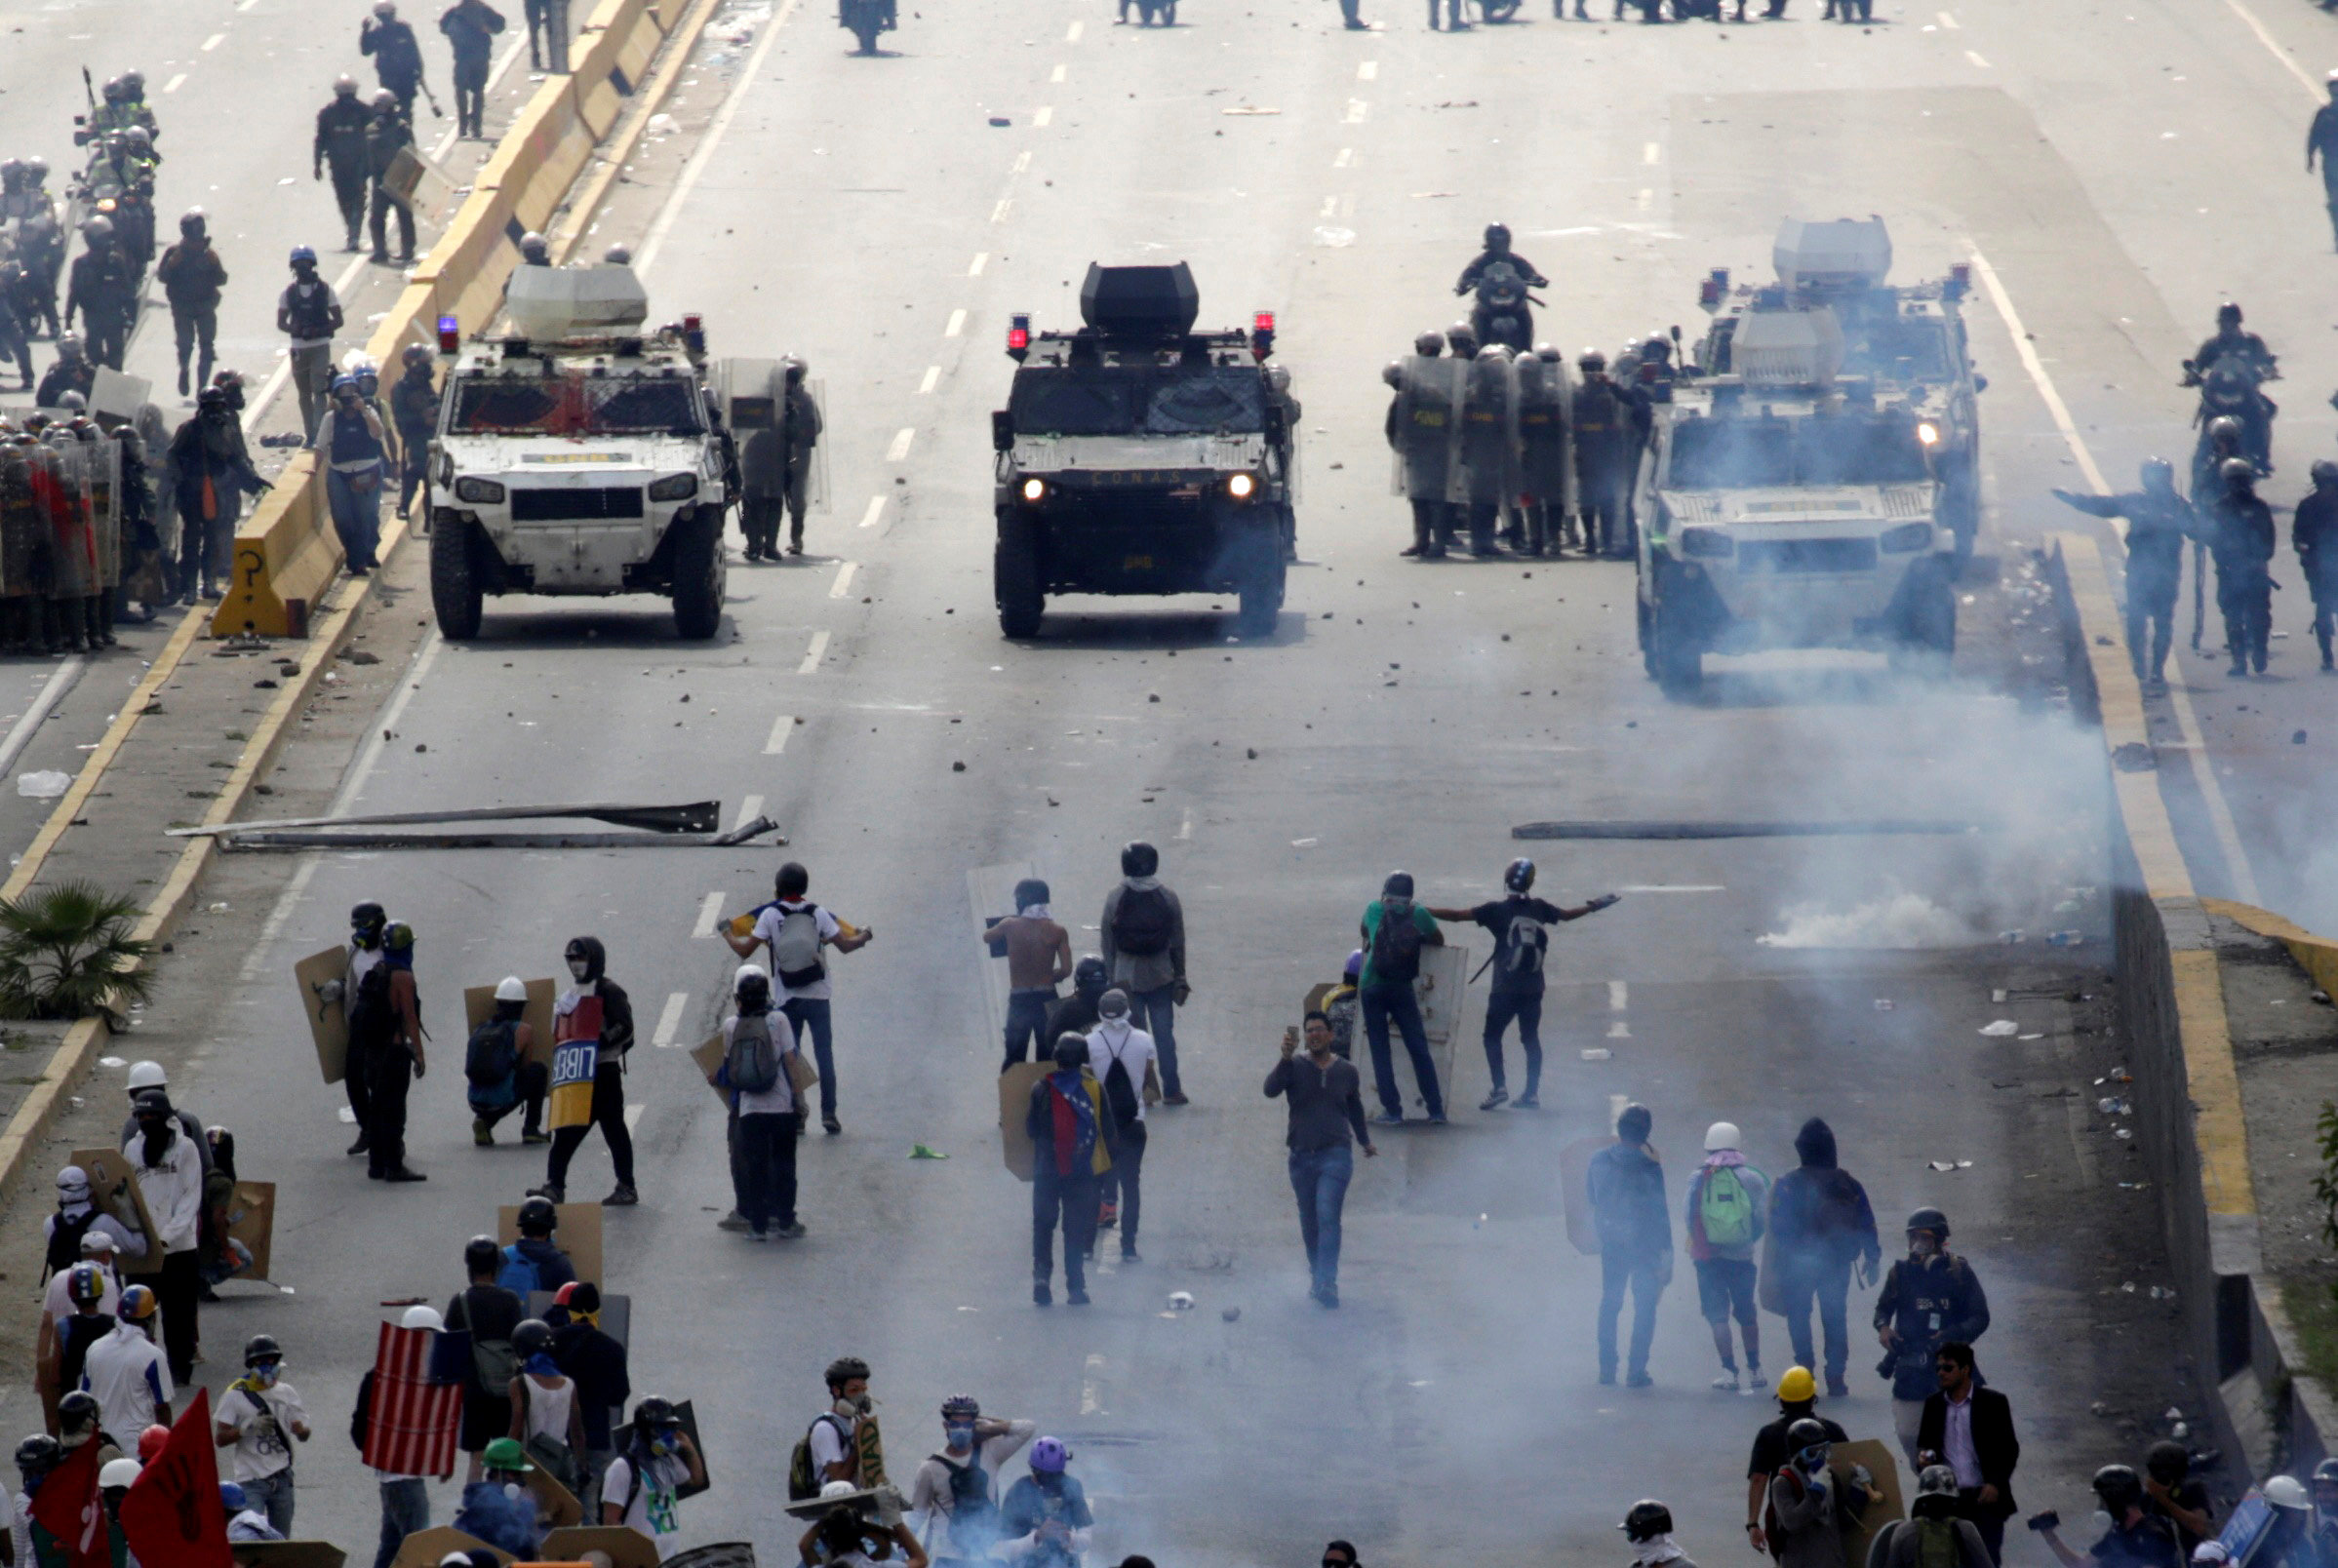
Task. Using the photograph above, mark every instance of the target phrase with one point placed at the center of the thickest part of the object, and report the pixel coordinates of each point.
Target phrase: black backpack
(491, 1057)
(973, 1508)
(752, 1061)
(65, 1241)
(1395, 942)
(1118, 1092)
(1145, 922)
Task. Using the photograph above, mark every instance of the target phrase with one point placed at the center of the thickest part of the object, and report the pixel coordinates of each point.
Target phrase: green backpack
(1727, 1208)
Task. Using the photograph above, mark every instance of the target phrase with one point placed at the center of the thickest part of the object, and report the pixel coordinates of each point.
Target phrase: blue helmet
(303, 253)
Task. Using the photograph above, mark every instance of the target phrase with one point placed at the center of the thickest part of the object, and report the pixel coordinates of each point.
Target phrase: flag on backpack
(68, 1507)
(173, 1514)
(418, 1376)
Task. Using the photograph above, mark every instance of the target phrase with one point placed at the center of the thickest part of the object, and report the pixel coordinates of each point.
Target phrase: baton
(2198, 594)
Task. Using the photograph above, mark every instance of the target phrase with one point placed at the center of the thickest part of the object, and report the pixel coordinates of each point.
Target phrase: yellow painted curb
(2318, 955)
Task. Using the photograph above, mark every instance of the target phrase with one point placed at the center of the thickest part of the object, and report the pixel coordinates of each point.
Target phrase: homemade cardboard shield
(427, 1549)
(623, 1545)
(303, 1554)
(579, 1234)
(416, 182)
(320, 977)
(479, 1004)
(1014, 1102)
(112, 1189)
(708, 1054)
(1884, 1507)
(252, 1220)
(555, 1503)
(621, 1441)
(721, 1555)
(1574, 1175)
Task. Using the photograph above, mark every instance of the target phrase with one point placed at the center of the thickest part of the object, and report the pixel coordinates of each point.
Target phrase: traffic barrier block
(287, 554)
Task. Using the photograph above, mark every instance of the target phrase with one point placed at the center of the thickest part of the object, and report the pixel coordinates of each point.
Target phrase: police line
(286, 553)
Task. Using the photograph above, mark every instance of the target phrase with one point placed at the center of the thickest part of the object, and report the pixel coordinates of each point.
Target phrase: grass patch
(2313, 1310)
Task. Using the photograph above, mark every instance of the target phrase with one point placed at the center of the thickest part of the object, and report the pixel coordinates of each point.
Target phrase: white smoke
(1901, 919)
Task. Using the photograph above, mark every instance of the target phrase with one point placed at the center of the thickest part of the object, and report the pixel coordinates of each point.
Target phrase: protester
(244, 1521)
(1143, 928)
(1039, 959)
(124, 1371)
(367, 923)
(845, 1535)
(1626, 1188)
(76, 1216)
(1935, 1532)
(1075, 1014)
(1394, 931)
(1727, 1198)
(757, 1042)
(1809, 1506)
(500, 1066)
(2136, 1538)
(1074, 1144)
(500, 1509)
(66, 1345)
(1970, 1429)
(545, 1419)
(1819, 1225)
(168, 1172)
(1648, 1528)
(597, 1361)
(592, 1031)
(261, 1417)
(1325, 1094)
(1123, 1058)
(1045, 1521)
(385, 1035)
(833, 1439)
(641, 1485)
(1929, 1297)
(2175, 1491)
(955, 1490)
(534, 1262)
(1337, 1554)
(1798, 1397)
(489, 1312)
(1520, 926)
(795, 932)
(405, 1499)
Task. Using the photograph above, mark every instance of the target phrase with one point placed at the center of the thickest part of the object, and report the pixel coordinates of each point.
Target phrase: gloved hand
(1180, 991)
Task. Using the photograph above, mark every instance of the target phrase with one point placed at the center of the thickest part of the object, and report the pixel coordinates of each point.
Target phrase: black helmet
(1462, 338)
(2237, 473)
(39, 1452)
(652, 1413)
(2157, 473)
(415, 354)
(193, 221)
(1071, 1050)
(532, 1337)
(1647, 1519)
(961, 1405)
(1807, 1433)
(1090, 976)
(365, 917)
(1397, 885)
(2167, 1462)
(1930, 1218)
(1519, 876)
(1497, 236)
(1591, 359)
(1429, 344)
(2118, 1487)
(792, 370)
(2326, 1471)
(262, 1348)
(77, 1410)
(2224, 427)
(480, 1254)
(538, 1217)
(845, 1368)
(2227, 314)
(1394, 374)
(1140, 858)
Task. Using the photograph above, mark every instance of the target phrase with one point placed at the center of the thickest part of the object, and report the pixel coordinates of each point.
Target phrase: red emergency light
(1018, 338)
(1262, 334)
(449, 335)
(1959, 278)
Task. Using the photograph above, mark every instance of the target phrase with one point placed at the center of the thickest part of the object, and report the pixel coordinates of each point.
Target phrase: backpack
(494, 1361)
(1395, 942)
(371, 1010)
(1119, 1093)
(518, 1274)
(1524, 947)
(973, 1508)
(492, 1057)
(65, 1241)
(752, 1060)
(796, 947)
(1726, 1209)
(358, 1416)
(802, 1480)
(1145, 922)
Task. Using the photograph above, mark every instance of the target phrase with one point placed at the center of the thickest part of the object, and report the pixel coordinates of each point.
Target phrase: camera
(2048, 1520)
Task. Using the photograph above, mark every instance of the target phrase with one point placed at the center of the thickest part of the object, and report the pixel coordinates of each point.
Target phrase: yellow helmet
(1797, 1386)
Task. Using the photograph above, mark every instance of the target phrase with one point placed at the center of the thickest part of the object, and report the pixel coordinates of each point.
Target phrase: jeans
(609, 1114)
(196, 326)
(405, 1509)
(1619, 1270)
(1026, 1022)
(1991, 1522)
(1075, 1197)
(1381, 1002)
(529, 1081)
(1527, 1007)
(389, 1075)
(766, 1170)
(176, 1289)
(272, 1495)
(1830, 1284)
(1319, 1180)
(812, 1013)
(1122, 1183)
(1155, 1011)
(356, 502)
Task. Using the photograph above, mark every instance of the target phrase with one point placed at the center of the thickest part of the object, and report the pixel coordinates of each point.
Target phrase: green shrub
(66, 952)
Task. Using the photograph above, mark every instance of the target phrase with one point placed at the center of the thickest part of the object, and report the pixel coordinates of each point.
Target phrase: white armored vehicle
(575, 455)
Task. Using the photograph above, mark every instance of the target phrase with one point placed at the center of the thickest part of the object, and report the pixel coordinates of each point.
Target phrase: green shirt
(1373, 912)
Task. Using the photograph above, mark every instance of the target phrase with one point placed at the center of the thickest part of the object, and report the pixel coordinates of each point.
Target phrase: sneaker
(1328, 1296)
(1108, 1216)
(1607, 1377)
(1174, 1099)
(1837, 1389)
(732, 1221)
(1388, 1118)
(1130, 1255)
(557, 1194)
(535, 1137)
(1074, 1296)
(1640, 1380)
(1528, 1101)
(790, 1233)
(1756, 1385)
(1437, 1119)
(1040, 1295)
(1727, 1383)
(481, 1133)
(402, 1174)
(831, 1126)
(759, 1235)
(625, 1197)
(1499, 1098)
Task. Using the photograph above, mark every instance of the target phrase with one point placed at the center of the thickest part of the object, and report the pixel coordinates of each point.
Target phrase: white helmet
(73, 1185)
(118, 1473)
(2287, 1492)
(422, 1318)
(1720, 1135)
(836, 1489)
(511, 988)
(747, 971)
(146, 1076)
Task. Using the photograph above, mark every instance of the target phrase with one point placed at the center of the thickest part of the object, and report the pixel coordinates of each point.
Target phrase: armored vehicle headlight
(480, 491)
(1707, 544)
(1034, 490)
(1241, 487)
(1907, 537)
(1928, 433)
(675, 488)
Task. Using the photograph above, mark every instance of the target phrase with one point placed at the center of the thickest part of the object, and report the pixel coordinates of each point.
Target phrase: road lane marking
(1071, 34)
(997, 214)
(1974, 56)
(669, 1021)
(1619, 1030)
(814, 653)
(1367, 70)
(175, 83)
(844, 581)
(781, 727)
(1652, 153)
(931, 380)
(1615, 1106)
(981, 260)
(1058, 74)
(709, 140)
(1357, 110)
(1345, 157)
(955, 324)
(2027, 352)
(1042, 116)
(633, 1115)
(900, 448)
(1330, 208)
(1022, 161)
(750, 807)
(1185, 825)
(1619, 996)
(868, 518)
(214, 42)
(1950, 22)
(1644, 200)
(2312, 87)
(711, 910)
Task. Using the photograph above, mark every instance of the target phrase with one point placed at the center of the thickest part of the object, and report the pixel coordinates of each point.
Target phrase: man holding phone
(1327, 1117)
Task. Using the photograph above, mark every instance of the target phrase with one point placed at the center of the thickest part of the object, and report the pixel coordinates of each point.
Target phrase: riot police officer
(397, 54)
(72, 373)
(1490, 445)
(414, 411)
(2158, 522)
(1605, 444)
(2322, 142)
(1545, 468)
(799, 433)
(15, 335)
(390, 130)
(102, 289)
(470, 27)
(2313, 533)
(1422, 428)
(341, 143)
(191, 276)
(2242, 540)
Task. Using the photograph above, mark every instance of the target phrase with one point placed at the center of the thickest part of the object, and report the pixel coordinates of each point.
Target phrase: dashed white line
(1619, 996)
(1185, 825)
(814, 653)
(1367, 70)
(1042, 116)
(633, 1115)
(1060, 73)
(1652, 153)
(214, 42)
(843, 581)
(175, 83)
(669, 1021)
(1644, 200)
(1344, 157)
(1022, 161)
(1071, 34)
(750, 807)
(1948, 20)
(1357, 110)
(931, 380)
(781, 727)
(709, 912)
(1619, 1030)
(900, 448)
(1615, 1106)
(997, 214)
(868, 518)
(981, 260)
(1330, 208)
(955, 324)
(1975, 57)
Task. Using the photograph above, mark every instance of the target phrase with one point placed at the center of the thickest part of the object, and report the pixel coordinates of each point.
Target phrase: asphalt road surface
(2111, 169)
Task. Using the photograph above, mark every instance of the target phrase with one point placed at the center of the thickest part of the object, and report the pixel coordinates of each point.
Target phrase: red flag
(68, 1507)
(172, 1513)
(416, 1405)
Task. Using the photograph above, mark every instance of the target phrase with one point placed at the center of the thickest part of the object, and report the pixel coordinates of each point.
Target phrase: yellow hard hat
(1797, 1386)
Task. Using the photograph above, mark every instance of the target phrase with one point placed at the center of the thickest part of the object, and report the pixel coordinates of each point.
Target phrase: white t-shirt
(828, 1443)
(929, 1491)
(767, 932)
(655, 1511)
(779, 1098)
(1131, 1046)
(126, 1372)
(58, 1306)
(263, 1446)
(361, 961)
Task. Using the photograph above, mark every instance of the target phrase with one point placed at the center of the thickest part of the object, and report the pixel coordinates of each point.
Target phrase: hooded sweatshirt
(1819, 1215)
(1627, 1199)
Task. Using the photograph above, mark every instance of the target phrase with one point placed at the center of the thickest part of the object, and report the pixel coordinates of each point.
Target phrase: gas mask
(265, 1374)
(849, 1406)
(579, 968)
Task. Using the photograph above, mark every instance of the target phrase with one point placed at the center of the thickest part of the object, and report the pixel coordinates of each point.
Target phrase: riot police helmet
(2157, 474)
(1497, 236)
(37, 168)
(133, 83)
(194, 221)
(792, 370)
(1930, 1218)
(2237, 473)
(534, 247)
(1462, 338)
(138, 135)
(415, 354)
(98, 230)
(1428, 346)
(1393, 374)
(384, 98)
(2224, 427)
(1591, 360)
(344, 86)
(2227, 314)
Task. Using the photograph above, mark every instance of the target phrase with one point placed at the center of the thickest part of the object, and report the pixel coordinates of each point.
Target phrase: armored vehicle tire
(697, 577)
(455, 592)
(1261, 583)
(1015, 577)
(1926, 635)
(1677, 654)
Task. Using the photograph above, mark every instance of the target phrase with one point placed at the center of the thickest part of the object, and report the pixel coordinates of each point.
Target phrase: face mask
(1922, 1246)
(962, 1437)
(662, 1445)
(1811, 1460)
(579, 968)
(265, 1375)
(846, 1406)
(511, 1489)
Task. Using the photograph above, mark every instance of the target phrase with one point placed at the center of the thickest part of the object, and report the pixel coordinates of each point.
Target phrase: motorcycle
(1502, 313)
(2232, 386)
(866, 19)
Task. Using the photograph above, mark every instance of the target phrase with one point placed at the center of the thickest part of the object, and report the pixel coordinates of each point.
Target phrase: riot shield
(104, 461)
(20, 518)
(1545, 416)
(748, 391)
(74, 569)
(1489, 431)
(1428, 445)
(48, 505)
(815, 475)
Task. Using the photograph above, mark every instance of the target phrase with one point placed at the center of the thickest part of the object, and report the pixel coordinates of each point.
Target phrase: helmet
(150, 1442)
(193, 221)
(1591, 359)
(1519, 875)
(111, 90)
(617, 255)
(1354, 966)
(654, 1414)
(2238, 472)
(1496, 353)
(346, 382)
(1462, 338)
(138, 1304)
(1807, 1433)
(262, 1348)
(1140, 858)
(751, 983)
(1393, 374)
(300, 254)
(1497, 236)
(2227, 314)
(211, 397)
(138, 136)
(397, 936)
(506, 1454)
(422, 1318)
(1397, 885)
(234, 1501)
(845, 1368)
(1647, 1519)
(2157, 473)
(2287, 1492)
(792, 370)
(118, 1473)
(1795, 1386)
(1930, 1218)
(532, 1337)
(344, 86)
(1089, 974)
(39, 1452)
(1113, 1004)
(835, 1491)
(1937, 1480)
(1548, 353)
(133, 83)
(1429, 344)
(37, 168)
(480, 1254)
(2326, 1471)
(511, 988)
(2224, 427)
(384, 98)
(415, 354)
(2118, 1487)
(363, 917)
(98, 230)
(964, 1405)
(84, 1284)
(1720, 1135)
(1049, 1455)
(538, 1217)
(532, 247)
(76, 1410)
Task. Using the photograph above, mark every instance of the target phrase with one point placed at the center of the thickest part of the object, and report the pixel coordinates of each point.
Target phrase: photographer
(2137, 1537)
(349, 443)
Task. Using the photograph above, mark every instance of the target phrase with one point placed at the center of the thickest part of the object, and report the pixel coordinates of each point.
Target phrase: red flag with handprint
(67, 1506)
(172, 1513)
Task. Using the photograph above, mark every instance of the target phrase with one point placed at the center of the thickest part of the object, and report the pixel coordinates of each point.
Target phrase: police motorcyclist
(2242, 539)
(1648, 1528)
(71, 372)
(2158, 522)
(2248, 348)
(341, 143)
(1421, 430)
(414, 411)
(1498, 249)
(102, 288)
(1605, 445)
(397, 54)
(390, 130)
(191, 278)
(470, 27)
(1929, 1297)
(2313, 533)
